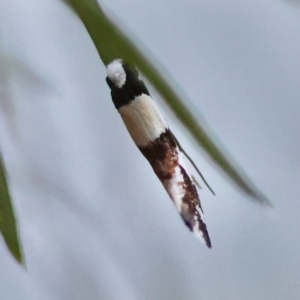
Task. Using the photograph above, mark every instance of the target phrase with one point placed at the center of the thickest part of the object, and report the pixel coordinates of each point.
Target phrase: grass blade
(8, 226)
(111, 43)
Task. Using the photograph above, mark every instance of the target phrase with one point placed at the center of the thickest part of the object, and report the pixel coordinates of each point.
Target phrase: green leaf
(8, 226)
(111, 43)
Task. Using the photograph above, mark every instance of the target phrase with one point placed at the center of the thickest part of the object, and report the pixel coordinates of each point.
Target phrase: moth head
(123, 80)
(116, 73)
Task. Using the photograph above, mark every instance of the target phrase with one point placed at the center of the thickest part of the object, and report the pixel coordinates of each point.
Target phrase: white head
(116, 73)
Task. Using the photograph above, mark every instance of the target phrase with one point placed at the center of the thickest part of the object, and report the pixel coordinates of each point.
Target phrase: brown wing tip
(203, 235)
(199, 231)
(206, 238)
(208, 243)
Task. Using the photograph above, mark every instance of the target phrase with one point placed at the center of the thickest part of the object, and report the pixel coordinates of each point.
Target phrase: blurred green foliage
(111, 43)
(8, 226)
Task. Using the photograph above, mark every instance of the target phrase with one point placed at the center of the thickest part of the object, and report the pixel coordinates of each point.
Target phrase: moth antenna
(196, 182)
(195, 167)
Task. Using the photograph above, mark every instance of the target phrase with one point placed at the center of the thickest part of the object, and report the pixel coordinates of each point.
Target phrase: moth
(151, 134)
